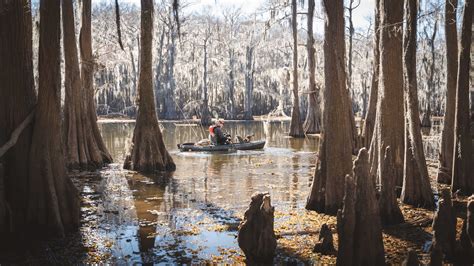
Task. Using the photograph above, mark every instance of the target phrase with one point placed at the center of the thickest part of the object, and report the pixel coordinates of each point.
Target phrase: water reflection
(193, 214)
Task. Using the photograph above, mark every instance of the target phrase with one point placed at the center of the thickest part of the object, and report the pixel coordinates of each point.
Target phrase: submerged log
(359, 220)
(256, 236)
(325, 244)
(444, 226)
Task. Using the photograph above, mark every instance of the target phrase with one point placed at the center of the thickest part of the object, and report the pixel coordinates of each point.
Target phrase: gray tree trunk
(369, 122)
(312, 123)
(416, 189)
(335, 154)
(389, 129)
(463, 172)
(148, 152)
(447, 139)
(296, 129)
(17, 101)
(53, 200)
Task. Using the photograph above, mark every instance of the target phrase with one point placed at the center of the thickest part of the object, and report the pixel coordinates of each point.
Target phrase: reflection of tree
(149, 196)
(293, 187)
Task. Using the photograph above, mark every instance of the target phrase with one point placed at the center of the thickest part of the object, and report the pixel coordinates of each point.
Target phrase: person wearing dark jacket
(218, 137)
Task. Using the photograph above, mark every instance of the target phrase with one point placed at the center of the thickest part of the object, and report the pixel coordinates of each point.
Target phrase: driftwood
(444, 226)
(325, 244)
(256, 236)
(16, 133)
(359, 220)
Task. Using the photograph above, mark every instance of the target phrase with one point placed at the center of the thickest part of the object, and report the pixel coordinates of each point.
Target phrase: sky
(361, 16)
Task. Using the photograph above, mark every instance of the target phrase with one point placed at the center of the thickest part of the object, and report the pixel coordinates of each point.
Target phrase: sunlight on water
(193, 214)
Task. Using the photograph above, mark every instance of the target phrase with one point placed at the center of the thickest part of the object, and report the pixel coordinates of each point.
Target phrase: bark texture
(444, 227)
(359, 220)
(390, 212)
(447, 139)
(296, 129)
(256, 236)
(312, 123)
(463, 172)
(416, 189)
(95, 141)
(82, 149)
(369, 122)
(335, 153)
(388, 129)
(53, 201)
(148, 152)
(17, 100)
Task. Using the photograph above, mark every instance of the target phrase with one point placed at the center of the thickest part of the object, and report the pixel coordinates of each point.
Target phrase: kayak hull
(253, 145)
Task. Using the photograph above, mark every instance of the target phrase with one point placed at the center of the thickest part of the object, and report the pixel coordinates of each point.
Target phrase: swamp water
(191, 215)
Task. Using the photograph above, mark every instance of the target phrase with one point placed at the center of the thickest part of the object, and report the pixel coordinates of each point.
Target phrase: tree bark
(390, 212)
(296, 129)
(369, 122)
(312, 123)
(17, 100)
(205, 114)
(249, 71)
(463, 174)
(256, 236)
(335, 153)
(148, 152)
(416, 189)
(389, 129)
(95, 144)
(53, 201)
(447, 138)
(359, 220)
(444, 227)
(81, 148)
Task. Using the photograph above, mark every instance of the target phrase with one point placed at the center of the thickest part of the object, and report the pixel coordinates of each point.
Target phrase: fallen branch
(16, 133)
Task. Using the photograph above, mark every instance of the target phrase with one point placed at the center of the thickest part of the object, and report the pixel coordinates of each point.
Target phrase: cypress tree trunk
(296, 129)
(416, 188)
(82, 149)
(358, 223)
(312, 123)
(463, 175)
(148, 152)
(335, 159)
(369, 122)
(389, 129)
(97, 151)
(248, 94)
(447, 139)
(17, 100)
(53, 202)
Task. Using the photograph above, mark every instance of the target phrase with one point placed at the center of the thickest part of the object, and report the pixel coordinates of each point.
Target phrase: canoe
(253, 145)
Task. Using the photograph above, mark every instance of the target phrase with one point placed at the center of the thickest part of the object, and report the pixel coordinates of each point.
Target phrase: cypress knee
(256, 236)
(359, 220)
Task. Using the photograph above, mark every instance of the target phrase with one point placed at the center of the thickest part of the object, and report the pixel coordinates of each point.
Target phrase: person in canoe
(217, 135)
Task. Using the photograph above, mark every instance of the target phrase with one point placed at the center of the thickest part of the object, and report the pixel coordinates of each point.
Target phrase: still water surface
(192, 215)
